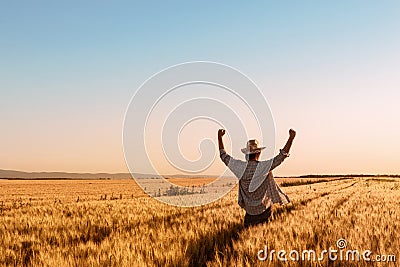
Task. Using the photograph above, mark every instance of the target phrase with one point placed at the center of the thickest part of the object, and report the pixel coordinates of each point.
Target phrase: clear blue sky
(328, 69)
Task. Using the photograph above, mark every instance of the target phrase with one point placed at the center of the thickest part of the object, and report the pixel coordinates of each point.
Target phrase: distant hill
(11, 174)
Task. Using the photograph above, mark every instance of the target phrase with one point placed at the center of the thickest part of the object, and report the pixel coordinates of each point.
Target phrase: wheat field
(113, 223)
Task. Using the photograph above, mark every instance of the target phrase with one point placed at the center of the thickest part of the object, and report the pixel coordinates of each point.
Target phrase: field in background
(113, 223)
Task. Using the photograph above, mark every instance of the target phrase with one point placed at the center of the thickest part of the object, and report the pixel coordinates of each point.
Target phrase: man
(257, 187)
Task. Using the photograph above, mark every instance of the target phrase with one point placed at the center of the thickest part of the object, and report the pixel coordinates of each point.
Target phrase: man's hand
(292, 133)
(221, 132)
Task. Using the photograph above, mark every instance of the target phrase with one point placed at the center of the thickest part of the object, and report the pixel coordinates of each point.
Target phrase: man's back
(257, 187)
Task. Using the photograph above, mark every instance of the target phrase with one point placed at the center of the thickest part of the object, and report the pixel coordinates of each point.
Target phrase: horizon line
(203, 175)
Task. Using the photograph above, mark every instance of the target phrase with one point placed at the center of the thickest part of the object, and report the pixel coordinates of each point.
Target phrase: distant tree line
(342, 175)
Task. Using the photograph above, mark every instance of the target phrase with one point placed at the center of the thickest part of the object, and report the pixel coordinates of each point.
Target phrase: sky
(330, 70)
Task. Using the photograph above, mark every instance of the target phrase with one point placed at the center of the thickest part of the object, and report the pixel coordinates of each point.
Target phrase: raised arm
(292, 134)
(235, 165)
(284, 152)
(221, 133)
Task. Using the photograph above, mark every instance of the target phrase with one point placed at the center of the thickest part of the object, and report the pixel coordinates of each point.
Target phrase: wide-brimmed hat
(252, 147)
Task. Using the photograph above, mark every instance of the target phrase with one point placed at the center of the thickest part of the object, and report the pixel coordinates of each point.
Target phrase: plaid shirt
(257, 187)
